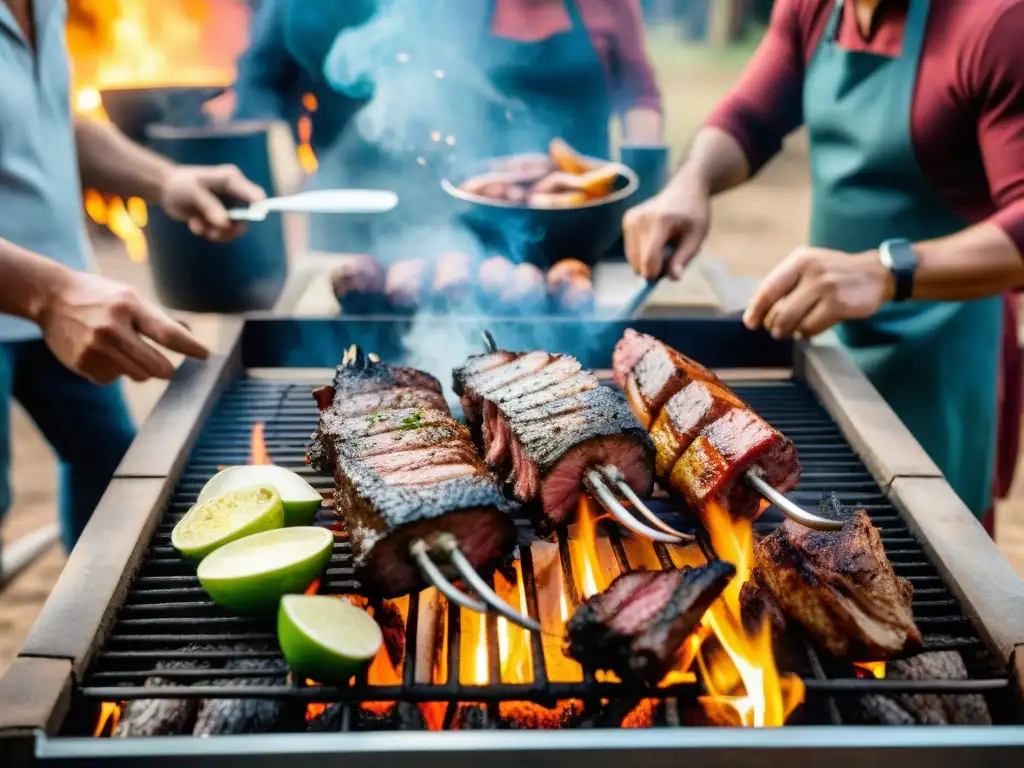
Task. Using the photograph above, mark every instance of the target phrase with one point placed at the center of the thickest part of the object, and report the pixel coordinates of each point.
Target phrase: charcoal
(224, 716)
(164, 717)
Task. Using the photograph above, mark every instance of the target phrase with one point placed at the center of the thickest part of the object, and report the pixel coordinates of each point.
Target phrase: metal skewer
(607, 500)
(613, 474)
(420, 553)
(794, 512)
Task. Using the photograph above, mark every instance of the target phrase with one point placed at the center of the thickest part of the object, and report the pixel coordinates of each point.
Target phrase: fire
(258, 452)
(110, 714)
(307, 157)
(744, 687)
(874, 669)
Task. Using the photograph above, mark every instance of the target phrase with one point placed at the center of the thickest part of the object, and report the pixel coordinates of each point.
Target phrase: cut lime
(326, 639)
(249, 576)
(301, 501)
(225, 518)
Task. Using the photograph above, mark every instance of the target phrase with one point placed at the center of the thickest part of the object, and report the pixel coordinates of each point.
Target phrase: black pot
(542, 236)
(133, 110)
(195, 275)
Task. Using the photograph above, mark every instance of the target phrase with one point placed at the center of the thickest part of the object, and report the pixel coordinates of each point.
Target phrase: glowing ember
(110, 716)
(875, 669)
(258, 452)
(744, 685)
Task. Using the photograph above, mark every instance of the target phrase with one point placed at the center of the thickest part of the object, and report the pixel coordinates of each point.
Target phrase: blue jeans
(88, 427)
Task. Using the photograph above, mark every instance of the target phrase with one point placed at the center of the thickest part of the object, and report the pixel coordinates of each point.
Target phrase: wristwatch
(899, 258)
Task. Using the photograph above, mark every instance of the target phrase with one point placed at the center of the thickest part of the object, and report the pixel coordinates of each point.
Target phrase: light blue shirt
(40, 190)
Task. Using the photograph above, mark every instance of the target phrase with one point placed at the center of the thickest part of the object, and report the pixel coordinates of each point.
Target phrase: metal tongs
(445, 549)
(661, 531)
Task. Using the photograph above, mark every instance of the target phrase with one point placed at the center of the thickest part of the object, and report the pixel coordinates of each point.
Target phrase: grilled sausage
(527, 291)
(359, 273)
(453, 277)
(404, 285)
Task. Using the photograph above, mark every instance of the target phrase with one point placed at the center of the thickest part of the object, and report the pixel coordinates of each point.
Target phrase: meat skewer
(409, 484)
(710, 444)
(554, 431)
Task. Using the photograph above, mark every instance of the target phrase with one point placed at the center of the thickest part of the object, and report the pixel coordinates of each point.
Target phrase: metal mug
(651, 163)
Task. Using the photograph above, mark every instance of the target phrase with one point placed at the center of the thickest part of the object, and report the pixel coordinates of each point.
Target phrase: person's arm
(95, 326)
(111, 162)
(636, 94)
(267, 72)
(815, 288)
(741, 135)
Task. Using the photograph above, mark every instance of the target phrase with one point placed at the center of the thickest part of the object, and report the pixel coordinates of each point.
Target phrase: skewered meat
(404, 284)
(711, 469)
(527, 291)
(570, 285)
(453, 277)
(637, 625)
(358, 273)
(686, 413)
(494, 275)
(403, 472)
(226, 716)
(564, 270)
(650, 372)
(840, 586)
(543, 421)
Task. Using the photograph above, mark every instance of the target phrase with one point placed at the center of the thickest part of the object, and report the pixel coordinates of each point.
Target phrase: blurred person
(66, 336)
(915, 117)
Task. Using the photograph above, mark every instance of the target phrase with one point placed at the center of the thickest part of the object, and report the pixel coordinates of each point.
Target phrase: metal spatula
(320, 201)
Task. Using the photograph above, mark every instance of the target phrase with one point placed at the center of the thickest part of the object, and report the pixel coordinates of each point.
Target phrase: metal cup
(651, 163)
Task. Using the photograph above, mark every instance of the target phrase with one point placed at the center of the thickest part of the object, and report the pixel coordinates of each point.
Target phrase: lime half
(326, 639)
(301, 501)
(249, 576)
(226, 518)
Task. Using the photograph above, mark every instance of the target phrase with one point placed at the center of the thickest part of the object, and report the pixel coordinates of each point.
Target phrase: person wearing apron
(884, 233)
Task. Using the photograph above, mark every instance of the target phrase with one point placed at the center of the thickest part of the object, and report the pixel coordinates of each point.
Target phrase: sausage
(555, 199)
(594, 184)
(453, 277)
(494, 275)
(358, 273)
(527, 291)
(524, 169)
(563, 271)
(493, 185)
(404, 285)
(577, 297)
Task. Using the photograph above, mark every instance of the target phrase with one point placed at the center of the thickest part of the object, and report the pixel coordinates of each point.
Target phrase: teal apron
(935, 363)
(560, 81)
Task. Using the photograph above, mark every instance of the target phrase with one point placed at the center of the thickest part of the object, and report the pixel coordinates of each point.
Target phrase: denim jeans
(88, 427)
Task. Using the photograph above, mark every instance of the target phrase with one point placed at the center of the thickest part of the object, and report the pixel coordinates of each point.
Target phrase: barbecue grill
(126, 604)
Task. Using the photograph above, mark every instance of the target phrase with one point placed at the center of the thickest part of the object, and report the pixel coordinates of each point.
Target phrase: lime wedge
(326, 639)
(225, 518)
(250, 575)
(301, 501)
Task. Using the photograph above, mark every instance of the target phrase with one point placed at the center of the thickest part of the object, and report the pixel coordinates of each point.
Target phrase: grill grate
(166, 608)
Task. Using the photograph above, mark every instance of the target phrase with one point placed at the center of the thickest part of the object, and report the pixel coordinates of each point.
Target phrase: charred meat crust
(840, 587)
(406, 471)
(637, 625)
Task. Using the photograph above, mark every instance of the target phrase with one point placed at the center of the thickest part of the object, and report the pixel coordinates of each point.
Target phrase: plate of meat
(546, 205)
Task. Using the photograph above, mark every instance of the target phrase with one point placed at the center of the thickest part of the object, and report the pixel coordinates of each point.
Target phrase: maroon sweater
(967, 119)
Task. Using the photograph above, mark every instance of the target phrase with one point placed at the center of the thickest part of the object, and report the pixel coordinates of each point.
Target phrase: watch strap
(899, 258)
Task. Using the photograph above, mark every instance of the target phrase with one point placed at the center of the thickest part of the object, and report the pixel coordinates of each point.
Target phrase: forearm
(715, 161)
(110, 162)
(28, 281)
(642, 125)
(979, 261)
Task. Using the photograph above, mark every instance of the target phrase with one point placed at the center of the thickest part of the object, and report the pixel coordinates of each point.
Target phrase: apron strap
(832, 27)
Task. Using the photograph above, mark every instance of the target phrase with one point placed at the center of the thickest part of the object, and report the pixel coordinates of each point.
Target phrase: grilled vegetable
(326, 639)
(300, 500)
(225, 518)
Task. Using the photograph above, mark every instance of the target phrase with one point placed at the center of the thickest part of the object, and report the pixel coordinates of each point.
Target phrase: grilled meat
(711, 469)
(453, 277)
(637, 625)
(543, 420)
(677, 425)
(650, 372)
(405, 471)
(840, 586)
(224, 716)
(358, 283)
(526, 292)
(405, 283)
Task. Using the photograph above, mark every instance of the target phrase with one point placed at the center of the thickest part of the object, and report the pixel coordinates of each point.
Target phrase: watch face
(885, 256)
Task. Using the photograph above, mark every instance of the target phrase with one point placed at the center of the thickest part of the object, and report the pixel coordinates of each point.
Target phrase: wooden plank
(98, 574)
(166, 437)
(34, 695)
(989, 591)
(872, 428)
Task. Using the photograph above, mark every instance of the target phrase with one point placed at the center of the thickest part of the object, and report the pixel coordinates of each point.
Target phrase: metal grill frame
(85, 602)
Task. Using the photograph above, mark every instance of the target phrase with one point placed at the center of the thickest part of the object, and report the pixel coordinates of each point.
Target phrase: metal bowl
(134, 109)
(542, 236)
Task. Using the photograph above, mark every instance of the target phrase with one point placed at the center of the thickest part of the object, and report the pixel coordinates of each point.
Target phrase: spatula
(319, 201)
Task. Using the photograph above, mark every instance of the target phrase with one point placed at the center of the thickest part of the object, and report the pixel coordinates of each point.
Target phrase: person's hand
(815, 288)
(98, 328)
(680, 214)
(191, 193)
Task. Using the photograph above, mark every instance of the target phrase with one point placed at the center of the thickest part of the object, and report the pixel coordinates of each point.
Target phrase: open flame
(258, 447)
(875, 669)
(744, 685)
(110, 716)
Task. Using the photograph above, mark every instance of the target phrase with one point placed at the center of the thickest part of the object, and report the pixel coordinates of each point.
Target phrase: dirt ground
(753, 228)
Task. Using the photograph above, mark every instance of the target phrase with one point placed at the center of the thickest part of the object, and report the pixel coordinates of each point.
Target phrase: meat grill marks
(637, 625)
(705, 437)
(543, 421)
(840, 586)
(404, 469)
